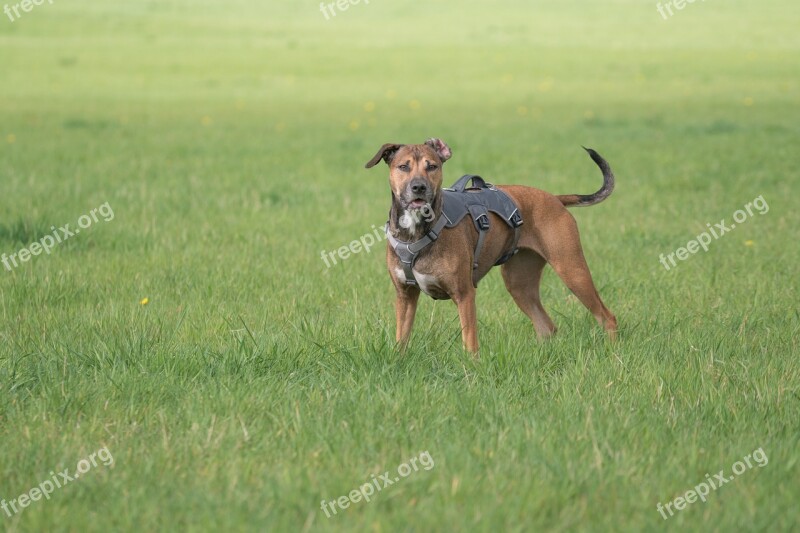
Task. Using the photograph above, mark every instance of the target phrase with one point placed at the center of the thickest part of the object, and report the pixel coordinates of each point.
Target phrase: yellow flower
(369, 107)
(207, 121)
(145, 301)
(546, 84)
(522, 111)
(11, 138)
(354, 125)
(749, 243)
(414, 104)
(748, 101)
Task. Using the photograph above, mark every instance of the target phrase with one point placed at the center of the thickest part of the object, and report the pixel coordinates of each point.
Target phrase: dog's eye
(431, 168)
(404, 167)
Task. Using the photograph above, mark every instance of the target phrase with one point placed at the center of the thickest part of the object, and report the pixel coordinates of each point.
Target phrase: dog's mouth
(419, 203)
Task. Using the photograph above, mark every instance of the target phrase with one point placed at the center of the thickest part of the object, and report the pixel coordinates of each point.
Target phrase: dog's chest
(428, 283)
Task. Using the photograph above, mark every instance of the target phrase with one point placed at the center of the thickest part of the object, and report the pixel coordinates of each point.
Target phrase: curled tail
(583, 200)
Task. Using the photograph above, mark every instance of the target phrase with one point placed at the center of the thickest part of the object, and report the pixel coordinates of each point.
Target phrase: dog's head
(415, 170)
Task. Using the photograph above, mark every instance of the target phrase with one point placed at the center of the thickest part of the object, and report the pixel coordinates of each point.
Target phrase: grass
(230, 138)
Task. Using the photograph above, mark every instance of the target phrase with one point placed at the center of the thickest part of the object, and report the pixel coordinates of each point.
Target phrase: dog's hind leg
(570, 265)
(522, 275)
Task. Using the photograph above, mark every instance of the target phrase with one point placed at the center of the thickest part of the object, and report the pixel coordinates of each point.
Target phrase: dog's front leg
(469, 320)
(405, 307)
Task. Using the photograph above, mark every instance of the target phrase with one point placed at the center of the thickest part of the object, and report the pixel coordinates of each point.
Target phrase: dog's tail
(584, 200)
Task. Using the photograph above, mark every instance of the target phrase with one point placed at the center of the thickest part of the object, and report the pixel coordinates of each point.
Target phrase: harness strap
(514, 248)
(408, 269)
(516, 220)
(480, 217)
(481, 236)
(477, 182)
(408, 252)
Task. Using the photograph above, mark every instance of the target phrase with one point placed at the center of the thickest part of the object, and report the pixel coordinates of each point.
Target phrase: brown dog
(443, 270)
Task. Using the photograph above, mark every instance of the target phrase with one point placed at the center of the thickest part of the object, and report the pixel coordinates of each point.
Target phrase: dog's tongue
(417, 203)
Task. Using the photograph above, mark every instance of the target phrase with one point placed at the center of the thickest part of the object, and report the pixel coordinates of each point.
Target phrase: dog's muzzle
(419, 193)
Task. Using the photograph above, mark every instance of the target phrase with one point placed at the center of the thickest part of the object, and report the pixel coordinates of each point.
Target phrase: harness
(459, 200)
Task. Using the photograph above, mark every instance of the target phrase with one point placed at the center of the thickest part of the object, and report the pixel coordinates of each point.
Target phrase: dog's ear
(441, 148)
(386, 153)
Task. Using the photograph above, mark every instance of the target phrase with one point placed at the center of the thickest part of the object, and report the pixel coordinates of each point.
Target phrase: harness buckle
(483, 221)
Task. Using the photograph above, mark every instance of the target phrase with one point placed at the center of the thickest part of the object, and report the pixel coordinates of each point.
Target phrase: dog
(444, 269)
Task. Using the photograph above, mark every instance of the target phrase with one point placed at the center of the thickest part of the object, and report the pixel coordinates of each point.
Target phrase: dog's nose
(418, 186)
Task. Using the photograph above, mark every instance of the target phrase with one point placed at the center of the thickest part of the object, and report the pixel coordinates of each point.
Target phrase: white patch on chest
(409, 221)
(426, 282)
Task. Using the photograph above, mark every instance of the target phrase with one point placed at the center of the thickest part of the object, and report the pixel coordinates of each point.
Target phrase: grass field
(199, 338)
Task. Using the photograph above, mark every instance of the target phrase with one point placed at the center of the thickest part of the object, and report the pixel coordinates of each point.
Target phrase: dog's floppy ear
(386, 153)
(441, 148)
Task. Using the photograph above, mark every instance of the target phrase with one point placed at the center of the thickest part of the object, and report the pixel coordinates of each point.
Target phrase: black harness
(459, 200)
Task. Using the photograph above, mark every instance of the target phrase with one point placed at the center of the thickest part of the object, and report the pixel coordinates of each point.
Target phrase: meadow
(238, 382)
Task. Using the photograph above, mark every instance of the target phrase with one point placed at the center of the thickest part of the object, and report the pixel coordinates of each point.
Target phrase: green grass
(229, 138)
